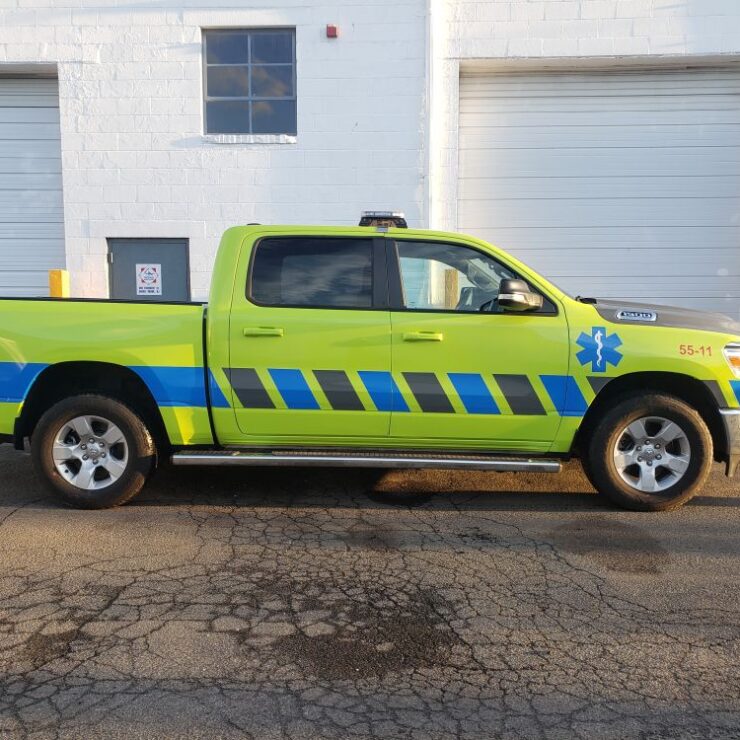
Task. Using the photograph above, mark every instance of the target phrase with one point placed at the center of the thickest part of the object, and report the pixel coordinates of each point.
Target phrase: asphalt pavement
(355, 604)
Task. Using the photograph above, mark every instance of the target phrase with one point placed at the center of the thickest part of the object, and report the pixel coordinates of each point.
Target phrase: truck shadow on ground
(440, 490)
(351, 488)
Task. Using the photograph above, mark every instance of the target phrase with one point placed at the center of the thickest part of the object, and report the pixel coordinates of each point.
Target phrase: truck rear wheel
(92, 452)
(650, 452)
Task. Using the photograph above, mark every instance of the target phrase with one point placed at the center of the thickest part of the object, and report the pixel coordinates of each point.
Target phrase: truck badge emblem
(625, 315)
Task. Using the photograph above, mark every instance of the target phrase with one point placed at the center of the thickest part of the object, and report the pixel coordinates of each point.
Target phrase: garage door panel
(599, 212)
(599, 187)
(602, 240)
(31, 205)
(483, 84)
(24, 232)
(29, 114)
(23, 282)
(566, 110)
(13, 252)
(26, 181)
(26, 131)
(643, 285)
(659, 259)
(523, 162)
(616, 184)
(30, 165)
(589, 137)
(47, 148)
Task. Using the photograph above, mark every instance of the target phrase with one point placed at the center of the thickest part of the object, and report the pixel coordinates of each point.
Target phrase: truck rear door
(309, 338)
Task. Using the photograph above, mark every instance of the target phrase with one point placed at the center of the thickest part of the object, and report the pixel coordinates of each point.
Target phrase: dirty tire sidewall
(140, 446)
(603, 472)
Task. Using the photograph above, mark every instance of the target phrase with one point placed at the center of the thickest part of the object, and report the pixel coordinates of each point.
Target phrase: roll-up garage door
(31, 214)
(618, 184)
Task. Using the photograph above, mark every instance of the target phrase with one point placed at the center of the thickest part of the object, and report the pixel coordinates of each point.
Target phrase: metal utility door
(149, 269)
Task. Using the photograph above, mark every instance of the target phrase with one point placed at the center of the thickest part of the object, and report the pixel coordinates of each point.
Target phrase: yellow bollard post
(58, 283)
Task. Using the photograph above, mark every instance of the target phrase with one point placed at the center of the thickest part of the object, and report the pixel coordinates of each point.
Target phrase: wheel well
(688, 389)
(67, 379)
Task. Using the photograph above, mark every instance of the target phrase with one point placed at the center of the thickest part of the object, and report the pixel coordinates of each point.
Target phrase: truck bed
(160, 343)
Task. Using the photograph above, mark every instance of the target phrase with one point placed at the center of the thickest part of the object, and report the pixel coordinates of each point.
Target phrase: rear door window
(312, 272)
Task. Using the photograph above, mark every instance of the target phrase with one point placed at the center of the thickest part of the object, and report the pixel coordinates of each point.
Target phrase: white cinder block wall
(136, 162)
(377, 108)
(571, 34)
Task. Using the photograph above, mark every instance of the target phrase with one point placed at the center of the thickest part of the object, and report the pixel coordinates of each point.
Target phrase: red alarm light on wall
(332, 31)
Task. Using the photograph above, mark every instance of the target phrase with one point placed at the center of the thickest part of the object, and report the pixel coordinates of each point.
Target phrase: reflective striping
(249, 388)
(174, 386)
(294, 389)
(218, 400)
(520, 395)
(474, 393)
(565, 394)
(429, 393)
(427, 389)
(170, 386)
(735, 385)
(16, 380)
(338, 390)
(597, 383)
(383, 390)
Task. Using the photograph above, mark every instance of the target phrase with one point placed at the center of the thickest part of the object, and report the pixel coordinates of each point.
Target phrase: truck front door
(471, 375)
(310, 342)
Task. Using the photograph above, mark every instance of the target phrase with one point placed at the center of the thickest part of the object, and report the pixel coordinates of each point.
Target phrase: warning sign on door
(148, 279)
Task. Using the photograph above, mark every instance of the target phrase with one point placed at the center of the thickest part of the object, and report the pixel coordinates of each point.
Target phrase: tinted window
(332, 273)
(250, 81)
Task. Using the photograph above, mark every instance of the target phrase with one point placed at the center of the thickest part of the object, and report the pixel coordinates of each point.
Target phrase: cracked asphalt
(339, 604)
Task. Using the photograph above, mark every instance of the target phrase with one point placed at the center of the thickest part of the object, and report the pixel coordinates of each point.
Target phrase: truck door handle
(423, 336)
(263, 331)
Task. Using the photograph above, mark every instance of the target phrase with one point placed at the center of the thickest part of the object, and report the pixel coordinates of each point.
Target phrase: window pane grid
(274, 114)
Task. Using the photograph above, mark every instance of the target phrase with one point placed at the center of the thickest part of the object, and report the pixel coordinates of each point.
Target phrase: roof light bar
(384, 219)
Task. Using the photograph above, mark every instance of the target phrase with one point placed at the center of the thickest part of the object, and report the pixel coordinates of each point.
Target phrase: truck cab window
(443, 277)
(313, 272)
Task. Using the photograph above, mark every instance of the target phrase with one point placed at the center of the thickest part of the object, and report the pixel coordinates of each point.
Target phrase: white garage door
(613, 184)
(31, 216)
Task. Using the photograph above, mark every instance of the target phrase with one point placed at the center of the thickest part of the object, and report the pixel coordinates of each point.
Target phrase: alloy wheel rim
(90, 452)
(652, 454)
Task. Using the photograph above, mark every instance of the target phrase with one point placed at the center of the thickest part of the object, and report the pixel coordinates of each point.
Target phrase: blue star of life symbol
(600, 349)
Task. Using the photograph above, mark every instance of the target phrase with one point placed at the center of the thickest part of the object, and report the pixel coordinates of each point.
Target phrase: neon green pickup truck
(371, 346)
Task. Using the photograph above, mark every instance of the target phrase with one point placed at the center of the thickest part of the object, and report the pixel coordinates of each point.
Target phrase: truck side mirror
(515, 295)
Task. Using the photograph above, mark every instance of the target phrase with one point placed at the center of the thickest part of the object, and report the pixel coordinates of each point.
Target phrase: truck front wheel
(649, 452)
(92, 452)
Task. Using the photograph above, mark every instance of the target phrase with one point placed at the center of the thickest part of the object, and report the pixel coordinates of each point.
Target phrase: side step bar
(302, 458)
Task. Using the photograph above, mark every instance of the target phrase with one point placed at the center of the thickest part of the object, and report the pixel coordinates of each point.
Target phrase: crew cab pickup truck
(370, 346)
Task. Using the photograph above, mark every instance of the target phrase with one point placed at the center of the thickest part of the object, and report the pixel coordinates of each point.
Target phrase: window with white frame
(250, 81)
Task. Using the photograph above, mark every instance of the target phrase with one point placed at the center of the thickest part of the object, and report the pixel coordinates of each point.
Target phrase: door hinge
(110, 258)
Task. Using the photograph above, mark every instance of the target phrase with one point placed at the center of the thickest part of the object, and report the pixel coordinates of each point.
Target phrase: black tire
(140, 452)
(607, 433)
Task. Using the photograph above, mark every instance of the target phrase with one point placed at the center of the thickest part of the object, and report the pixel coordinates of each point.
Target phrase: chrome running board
(307, 458)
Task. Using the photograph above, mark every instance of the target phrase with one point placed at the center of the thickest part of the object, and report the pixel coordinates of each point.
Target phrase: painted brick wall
(554, 28)
(136, 163)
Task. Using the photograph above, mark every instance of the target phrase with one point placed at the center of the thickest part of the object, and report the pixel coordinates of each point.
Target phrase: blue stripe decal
(174, 386)
(735, 385)
(383, 390)
(294, 389)
(565, 394)
(16, 379)
(474, 394)
(218, 400)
